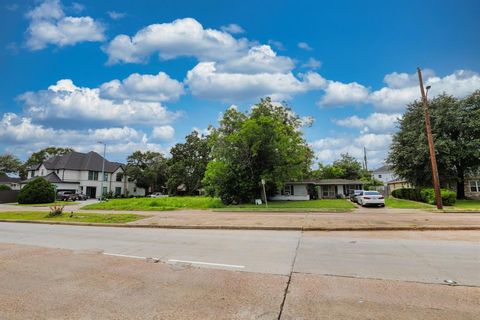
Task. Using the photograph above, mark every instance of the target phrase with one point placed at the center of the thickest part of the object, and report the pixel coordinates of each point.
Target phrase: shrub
(56, 211)
(4, 187)
(426, 195)
(38, 190)
(448, 197)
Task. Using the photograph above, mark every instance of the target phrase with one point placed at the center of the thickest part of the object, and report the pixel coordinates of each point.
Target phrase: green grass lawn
(77, 217)
(392, 202)
(173, 203)
(157, 204)
(59, 203)
(467, 204)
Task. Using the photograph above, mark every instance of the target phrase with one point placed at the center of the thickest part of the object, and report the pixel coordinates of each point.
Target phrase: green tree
(42, 155)
(9, 164)
(264, 143)
(456, 134)
(188, 164)
(38, 190)
(148, 169)
(347, 167)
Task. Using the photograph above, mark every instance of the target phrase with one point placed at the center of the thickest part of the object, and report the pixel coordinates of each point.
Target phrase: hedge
(4, 187)
(38, 190)
(426, 195)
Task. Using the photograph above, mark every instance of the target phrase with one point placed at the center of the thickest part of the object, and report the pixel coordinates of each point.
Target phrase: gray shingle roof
(327, 182)
(6, 179)
(91, 161)
(52, 177)
(384, 168)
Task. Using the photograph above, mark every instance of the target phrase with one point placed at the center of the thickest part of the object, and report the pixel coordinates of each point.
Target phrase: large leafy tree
(188, 164)
(265, 143)
(148, 169)
(9, 164)
(347, 167)
(456, 134)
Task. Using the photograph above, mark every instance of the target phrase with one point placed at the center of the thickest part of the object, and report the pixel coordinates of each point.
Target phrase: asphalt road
(406, 256)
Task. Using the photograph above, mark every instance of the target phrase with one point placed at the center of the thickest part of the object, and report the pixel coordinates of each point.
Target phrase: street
(350, 264)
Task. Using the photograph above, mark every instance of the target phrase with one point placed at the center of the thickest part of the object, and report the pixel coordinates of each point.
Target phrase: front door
(91, 192)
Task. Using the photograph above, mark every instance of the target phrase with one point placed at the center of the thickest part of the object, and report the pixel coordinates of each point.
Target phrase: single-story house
(13, 183)
(82, 173)
(324, 188)
(472, 187)
(397, 184)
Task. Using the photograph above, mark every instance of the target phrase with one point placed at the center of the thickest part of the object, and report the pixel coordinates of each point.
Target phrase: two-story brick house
(81, 172)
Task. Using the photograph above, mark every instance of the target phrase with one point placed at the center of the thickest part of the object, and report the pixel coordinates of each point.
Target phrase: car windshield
(372, 193)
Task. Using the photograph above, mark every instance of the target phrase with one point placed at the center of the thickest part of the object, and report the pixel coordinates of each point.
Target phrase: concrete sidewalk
(359, 219)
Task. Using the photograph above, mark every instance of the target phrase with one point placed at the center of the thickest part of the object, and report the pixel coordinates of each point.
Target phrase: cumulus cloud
(338, 93)
(401, 89)
(50, 25)
(329, 149)
(312, 63)
(30, 137)
(182, 37)
(205, 81)
(65, 100)
(163, 133)
(232, 28)
(381, 122)
(146, 87)
(304, 46)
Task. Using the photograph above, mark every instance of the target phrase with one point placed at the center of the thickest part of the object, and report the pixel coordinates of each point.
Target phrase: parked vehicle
(67, 196)
(371, 198)
(158, 195)
(81, 196)
(354, 195)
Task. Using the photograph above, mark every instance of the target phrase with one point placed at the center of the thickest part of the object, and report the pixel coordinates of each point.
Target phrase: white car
(373, 198)
(158, 195)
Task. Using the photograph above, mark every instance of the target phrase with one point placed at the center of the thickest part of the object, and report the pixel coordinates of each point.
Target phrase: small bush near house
(38, 190)
(426, 195)
(4, 187)
(448, 197)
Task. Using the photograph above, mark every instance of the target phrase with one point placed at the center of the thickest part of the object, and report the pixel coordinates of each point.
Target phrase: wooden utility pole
(433, 159)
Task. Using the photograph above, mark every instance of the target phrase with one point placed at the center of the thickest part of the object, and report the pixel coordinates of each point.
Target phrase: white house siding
(300, 192)
(472, 188)
(384, 176)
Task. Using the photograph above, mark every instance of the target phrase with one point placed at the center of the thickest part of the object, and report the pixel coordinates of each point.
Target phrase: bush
(4, 187)
(448, 197)
(56, 211)
(38, 190)
(426, 195)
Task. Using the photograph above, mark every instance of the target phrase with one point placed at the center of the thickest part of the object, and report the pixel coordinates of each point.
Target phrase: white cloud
(30, 137)
(182, 37)
(116, 15)
(205, 81)
(259, 59)
(77, 7)
(163, 133)
(159, 87)
(232, 28)
(65, 100)
(312, 63)
(338, 93)
(381, 122)
(304, 46)
(329, 149)
(49, 25)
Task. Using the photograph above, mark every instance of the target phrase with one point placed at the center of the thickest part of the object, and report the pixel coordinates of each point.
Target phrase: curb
(216, 227)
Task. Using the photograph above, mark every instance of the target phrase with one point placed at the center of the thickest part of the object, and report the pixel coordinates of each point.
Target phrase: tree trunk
(461, 185)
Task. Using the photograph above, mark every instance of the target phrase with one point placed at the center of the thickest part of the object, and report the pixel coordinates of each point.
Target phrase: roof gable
(78, 161)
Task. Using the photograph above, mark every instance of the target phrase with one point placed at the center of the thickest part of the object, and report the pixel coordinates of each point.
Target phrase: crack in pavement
(285, 293)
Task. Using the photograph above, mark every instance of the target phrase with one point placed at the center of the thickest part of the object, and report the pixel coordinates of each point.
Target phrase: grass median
(57, 203)
(176, 203)
(69, 217)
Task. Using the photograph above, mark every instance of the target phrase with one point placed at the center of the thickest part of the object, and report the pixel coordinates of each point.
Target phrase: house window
(118, 191)
(288, 190)
(379, 175)
(119, 177)
(92, 175)
(58, 171)
(475, 186)
(105, 176)
(105, 190)
(41, 173)
(328, 191)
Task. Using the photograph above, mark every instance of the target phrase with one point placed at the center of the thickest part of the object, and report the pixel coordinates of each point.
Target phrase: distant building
(13, 183)
(81, 172)
(384, 174)
(321, 189)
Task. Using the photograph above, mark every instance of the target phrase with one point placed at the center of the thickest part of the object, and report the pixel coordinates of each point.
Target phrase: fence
(7, 196)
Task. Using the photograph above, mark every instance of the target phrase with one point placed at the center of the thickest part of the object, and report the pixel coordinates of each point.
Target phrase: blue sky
(143, 74)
